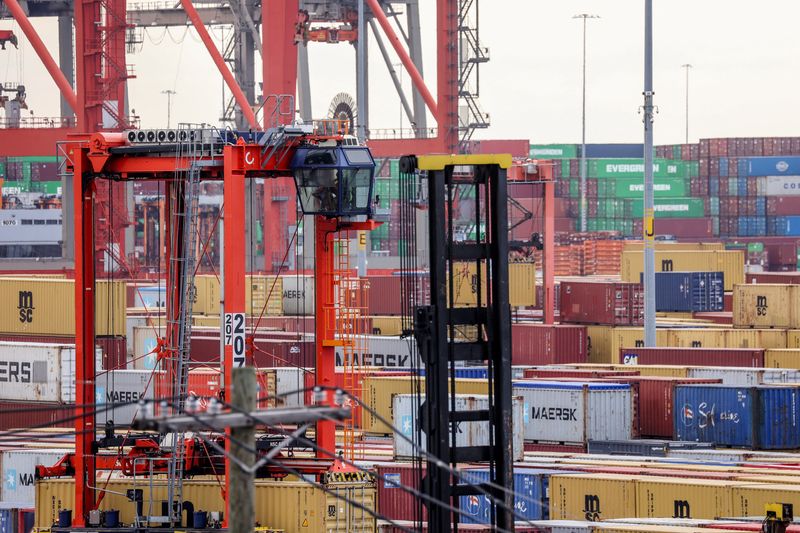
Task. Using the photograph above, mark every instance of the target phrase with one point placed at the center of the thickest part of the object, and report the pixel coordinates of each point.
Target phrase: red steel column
(85, 474)
(88, 66)
(447, 72)
(233, 256)
(279, 57)
(324, 332)
(41, 50)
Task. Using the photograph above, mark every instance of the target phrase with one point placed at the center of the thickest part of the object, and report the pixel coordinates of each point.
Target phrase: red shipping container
(727, 302)
(602, 302)
(539, 344)
(783, 205)
(655, 405)
(35, 414)
(515, 147)
(685, 227)
(393, 502)
(783, 278)
(722, 317)
(559, 373)
(744, 357)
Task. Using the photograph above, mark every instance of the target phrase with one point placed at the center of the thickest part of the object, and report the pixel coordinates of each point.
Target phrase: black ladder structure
(458, 328)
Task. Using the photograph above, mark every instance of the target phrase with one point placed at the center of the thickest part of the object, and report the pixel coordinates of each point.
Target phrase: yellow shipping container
(682, 498)
(731, 263)
(767, 339)
(665, 371)
(726, 338)
(592, 497)
(287, 505)
(380, 390)
(258, 289)
(521, 281)
(387, 325)
(766, 305)
(626, 338)
(793, 338)
(787, 358)
(598, 343)
(749, 500)
(637, 246)
(46, 306)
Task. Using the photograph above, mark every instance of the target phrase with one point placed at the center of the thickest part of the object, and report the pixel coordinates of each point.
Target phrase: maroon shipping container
(515, 147)
(744, 357)
(559, 373)
(727, 302)
(783, 278)
(539, 344)
(35, 414)
(783, 205)
(655, 404)
(685, 227)
(554, 447)
(721, 317)
(394, 502)
(602, 302)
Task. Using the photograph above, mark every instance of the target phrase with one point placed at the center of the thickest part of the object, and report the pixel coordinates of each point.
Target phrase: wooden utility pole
(241, 500)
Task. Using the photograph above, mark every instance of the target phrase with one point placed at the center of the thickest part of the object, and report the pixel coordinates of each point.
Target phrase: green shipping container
(48, 187)
(634, 168)
(15, 187)
(565, 168)
(669, 208)
(634, 188)
(554, 151)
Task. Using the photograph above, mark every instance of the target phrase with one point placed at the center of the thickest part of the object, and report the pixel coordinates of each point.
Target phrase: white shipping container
(783, 186)
(383, 351)
(405, 410)
(18, 468)
(298, 295)
(39, 371)
(132, 322)
(118, 386)
(145, 339)
(744, 376)
(575, 413)
(290, 379)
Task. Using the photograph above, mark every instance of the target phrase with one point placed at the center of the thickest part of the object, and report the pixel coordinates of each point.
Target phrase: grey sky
(744, 82)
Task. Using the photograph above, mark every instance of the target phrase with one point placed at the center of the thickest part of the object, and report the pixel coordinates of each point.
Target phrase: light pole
(649, 207)
(687, 66)
(169, 93)
(585, 17)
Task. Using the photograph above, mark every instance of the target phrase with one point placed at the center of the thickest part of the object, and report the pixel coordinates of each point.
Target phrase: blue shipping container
(785, 226)
(749, 417)
(7, 520)
(602, 151)
(530, 495)
(684, 292)
(773, 166)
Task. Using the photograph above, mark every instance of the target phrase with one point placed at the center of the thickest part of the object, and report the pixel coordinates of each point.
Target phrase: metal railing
(402, 133)
(37, 122)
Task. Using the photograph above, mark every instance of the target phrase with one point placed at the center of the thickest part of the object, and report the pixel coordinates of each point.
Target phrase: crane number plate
(234, 336)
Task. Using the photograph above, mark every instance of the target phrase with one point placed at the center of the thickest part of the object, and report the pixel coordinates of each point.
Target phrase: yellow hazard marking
(649, 224)
(305, 523)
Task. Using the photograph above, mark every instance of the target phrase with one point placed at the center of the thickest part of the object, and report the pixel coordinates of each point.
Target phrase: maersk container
(773, 166)
(122, 386)
(745, 377)
(690, 291)
(575, 413)
(383, 351)
(405, 413)
(763, 417)
(18, 469)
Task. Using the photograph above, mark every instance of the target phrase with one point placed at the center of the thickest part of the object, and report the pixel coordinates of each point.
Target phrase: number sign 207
(234, 336)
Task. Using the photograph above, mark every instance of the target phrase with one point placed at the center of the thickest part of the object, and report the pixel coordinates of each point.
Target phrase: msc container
(39, 372)
(689, 291)
(118, 386)
(730, 263)
(752, 417)
(788, 358)
(383, 351)
(18, 469)
(405, 409)
(740, 357)
(379, 391)
(575, 413)
(746, 377)
(298, 295)
(45, 306)
(682, 498)
(766, 305)
(602, 302)
(539, 344)
(592, 497)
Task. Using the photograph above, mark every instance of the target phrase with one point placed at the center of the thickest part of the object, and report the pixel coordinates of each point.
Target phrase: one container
(298, 295)
(602, 302)
(538, 344)
(122, 386)
(405, 409)
(530, 496)
(575, 413)
(748, 499)
(682, 498)
(765, 305)
(592, 497)
(745, 377)
(288, 381)
(689, 291)
(788, 358)
(383, 351)
(18, 469)
(764, 417)
(693, 356)
(730, 263)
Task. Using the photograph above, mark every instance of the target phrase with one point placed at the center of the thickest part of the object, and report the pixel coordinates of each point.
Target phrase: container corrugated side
(730, 263)
(693, 356)
(18, 471)
(405, 410)
(726, 338)
(751, 499)
(383, 351)
(682, 498)
(122, 386)
(745, 377)
(766, 305)
(602, 302)
(788, 358)
(592, 497)
(539, 344)
(574, 413)
(530, 498)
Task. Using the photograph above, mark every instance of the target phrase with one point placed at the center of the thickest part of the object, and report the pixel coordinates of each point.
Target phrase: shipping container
(122, 386)
(745, 377)
(764, 417)
(289, 385)
(18, 470)
(521, 279)
(682, 498)
(382, 351)
(730, 263)
(768, 166)
(693, 356)
(765, 305)
(530, 496)
(592, 497)
(553, 151)
(37, 306)
(574, 413)
(602, 302)
(689, 291)
(406, 409)
(784, 278)
(537, 344)
(752, 499)
(298, 295)
(787, 359)
(606, 344)
(728, 338)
